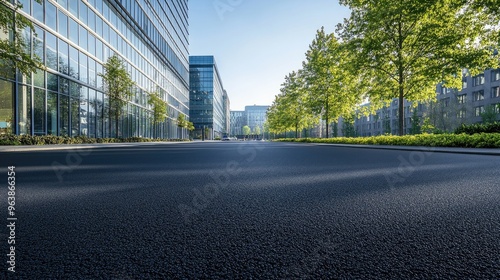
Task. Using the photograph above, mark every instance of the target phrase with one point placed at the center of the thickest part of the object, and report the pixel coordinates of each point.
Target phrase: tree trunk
(326, 117)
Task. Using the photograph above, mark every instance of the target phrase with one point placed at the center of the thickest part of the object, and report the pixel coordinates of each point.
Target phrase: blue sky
(257, 42)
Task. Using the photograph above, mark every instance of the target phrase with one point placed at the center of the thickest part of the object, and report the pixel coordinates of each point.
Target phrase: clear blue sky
(257, 42)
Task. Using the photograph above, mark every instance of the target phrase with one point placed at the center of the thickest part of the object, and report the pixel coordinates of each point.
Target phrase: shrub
(478, 128)
(11, 139)
(481, 140)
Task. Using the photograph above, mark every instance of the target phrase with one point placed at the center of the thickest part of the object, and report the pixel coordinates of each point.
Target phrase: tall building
(256, 116)
(206, 98)
(253, 116)
(74, 38)
(227, 114)
(238, 120)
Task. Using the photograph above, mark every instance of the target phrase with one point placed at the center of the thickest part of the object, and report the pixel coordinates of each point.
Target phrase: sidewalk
(29, 148)
(476, 151)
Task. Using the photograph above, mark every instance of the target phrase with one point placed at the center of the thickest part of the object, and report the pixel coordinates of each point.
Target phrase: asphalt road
(253, 210)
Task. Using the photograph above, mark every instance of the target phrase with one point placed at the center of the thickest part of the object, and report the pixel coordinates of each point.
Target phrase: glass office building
(206, 97)
(74, 38)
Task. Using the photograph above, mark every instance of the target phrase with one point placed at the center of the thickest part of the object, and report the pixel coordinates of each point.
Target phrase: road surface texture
(252, 210)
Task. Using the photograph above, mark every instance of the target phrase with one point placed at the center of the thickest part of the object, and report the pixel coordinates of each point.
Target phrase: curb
(56, 147)
(450, 150)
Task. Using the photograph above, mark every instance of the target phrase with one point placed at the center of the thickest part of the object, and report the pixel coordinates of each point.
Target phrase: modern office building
(227, 114)
(253, 116)
(453, 107)
(74, 38)
(238, 120)
(206, 98)
(256, 116)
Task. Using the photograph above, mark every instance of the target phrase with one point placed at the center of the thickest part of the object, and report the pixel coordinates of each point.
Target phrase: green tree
(246, 130)
(182, 123)
(348, 129)
(256, 130)
(14, 48)
(415, 123)
(404, 48)
(329, 79)
(159, 108)
(118, 86)
(490, 114)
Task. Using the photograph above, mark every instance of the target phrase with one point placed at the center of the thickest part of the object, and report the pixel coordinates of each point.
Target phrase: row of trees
(387, 50)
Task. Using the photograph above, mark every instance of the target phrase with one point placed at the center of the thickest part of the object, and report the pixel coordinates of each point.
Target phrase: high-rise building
(256, 116)
(206, 98)
(74, 38)
(227, 114)
(238, 120)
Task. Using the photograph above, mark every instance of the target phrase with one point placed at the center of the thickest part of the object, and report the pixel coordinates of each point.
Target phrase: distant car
(226, 139)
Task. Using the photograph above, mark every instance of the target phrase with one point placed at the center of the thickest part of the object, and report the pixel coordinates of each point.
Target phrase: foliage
(330, 78)
(415, 123)
(479, 128)
(405, 48)
(246, 130)
(256, 130)
(482, 140)
(490, 114)
(11, 139)
(159, 107)
(118, 87)
(16, 53)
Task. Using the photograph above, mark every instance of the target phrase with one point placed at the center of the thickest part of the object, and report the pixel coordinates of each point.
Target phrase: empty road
(250, 210)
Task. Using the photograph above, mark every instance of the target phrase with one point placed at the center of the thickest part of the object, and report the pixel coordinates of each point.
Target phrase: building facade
(227, 114)
(238, 120)
(75, 38)
(206, 98)
(256, 116)
(452, 108)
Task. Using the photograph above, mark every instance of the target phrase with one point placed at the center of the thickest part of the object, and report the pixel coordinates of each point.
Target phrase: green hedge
(482, 140)
(478, 128)
(10, 139)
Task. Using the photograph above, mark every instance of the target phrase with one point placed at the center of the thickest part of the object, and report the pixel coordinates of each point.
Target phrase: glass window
(63, 114)
(83, 13)
(63, 86)
(83, 68)
(52, 83)
(38, 11)
(6, 107)
(26, 6)
(83, 112)
(39, 78)
(73, 30)
(38, 42)
(51, 11)
(105, 32)
(495, 92)
(74, 89)
(39, 111)
(83, 37)
(91, 44)
(98, 50)
(91, 22)
(24, 109)
(63, 57)
(98, 82)
(98, 26)
(62, 22)
(73, 7)
(91, 114)
(51, 50)
(74, 67)
(92, 73)
(52, 113)
(75, 117)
